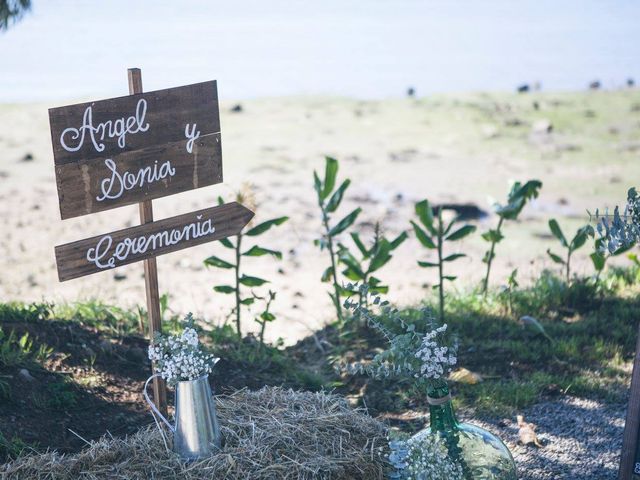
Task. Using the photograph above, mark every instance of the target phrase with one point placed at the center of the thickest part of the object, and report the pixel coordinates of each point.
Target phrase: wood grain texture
(167, 113)
(154, 316)
(79, 183)
(632, 424)
(80, 174)
(72, 258)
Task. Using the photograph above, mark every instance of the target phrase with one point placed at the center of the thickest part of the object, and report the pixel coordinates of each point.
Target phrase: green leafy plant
(600, 255)
(11, 448)
(265, 316)
(434, 238)
(508, 291)
(371, 260)
(516, 200)
(578, 240)
(106, 319)
(61, 395)
(329, 199)
(240, 278)
(14, 350)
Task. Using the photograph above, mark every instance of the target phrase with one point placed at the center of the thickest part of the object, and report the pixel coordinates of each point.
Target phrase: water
(68, 49)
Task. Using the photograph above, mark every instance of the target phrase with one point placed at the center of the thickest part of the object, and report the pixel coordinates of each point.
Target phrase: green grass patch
(582, 344)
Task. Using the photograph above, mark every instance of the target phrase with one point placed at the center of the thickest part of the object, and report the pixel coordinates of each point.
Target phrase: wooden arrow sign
(134, 244)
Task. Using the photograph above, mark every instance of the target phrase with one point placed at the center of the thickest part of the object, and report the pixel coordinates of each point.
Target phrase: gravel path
(582, 440)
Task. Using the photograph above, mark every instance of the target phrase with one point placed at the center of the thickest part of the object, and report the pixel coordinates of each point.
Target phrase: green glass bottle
(480, 454)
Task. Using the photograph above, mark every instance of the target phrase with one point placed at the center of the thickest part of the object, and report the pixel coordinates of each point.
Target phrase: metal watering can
(196, 432)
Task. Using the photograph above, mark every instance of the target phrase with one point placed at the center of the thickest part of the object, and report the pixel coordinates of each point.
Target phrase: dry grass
(269, 434)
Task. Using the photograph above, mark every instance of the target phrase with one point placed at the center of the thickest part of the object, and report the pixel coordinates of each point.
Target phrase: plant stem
(440, 266)
(262, 328)
(485, 286)
(325, 221)
(568, 265)
(263, 324)
(365, 281)
(238, 257)
(364, 300)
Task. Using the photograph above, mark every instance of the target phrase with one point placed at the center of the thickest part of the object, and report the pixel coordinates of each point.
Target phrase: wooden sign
(134, 244)
(130, 149)
(630, 456)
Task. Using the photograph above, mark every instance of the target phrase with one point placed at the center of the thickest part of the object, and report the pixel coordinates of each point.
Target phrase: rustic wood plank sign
(111, 250)
(125, 150)
(630, 455)
(133, 149)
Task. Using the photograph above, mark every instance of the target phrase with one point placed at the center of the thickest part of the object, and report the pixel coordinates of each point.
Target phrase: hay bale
(269, 434)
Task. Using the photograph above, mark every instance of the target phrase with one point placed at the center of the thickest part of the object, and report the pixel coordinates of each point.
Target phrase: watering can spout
(196, 432)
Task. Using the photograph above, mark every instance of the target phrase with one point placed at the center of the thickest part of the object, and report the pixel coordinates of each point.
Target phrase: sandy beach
(463, 149)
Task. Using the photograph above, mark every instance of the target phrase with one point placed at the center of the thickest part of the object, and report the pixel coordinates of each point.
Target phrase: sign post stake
(150, 269)
(629, 457)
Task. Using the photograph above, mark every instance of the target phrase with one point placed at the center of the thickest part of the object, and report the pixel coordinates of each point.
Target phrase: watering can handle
(153, 405)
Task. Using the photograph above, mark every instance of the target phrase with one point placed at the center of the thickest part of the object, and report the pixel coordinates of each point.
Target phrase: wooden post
(150, 269)
(632, 423)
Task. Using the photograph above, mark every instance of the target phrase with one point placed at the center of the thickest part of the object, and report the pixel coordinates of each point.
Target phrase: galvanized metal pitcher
(196, 432)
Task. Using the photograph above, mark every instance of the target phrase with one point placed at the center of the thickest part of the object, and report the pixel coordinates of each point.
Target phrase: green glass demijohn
(480, 454)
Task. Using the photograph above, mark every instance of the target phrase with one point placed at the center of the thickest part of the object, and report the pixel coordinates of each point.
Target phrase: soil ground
(91, 384)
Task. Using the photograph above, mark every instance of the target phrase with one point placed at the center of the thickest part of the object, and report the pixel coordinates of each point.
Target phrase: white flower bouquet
(422, 458)
(421, 356)
(179, 358)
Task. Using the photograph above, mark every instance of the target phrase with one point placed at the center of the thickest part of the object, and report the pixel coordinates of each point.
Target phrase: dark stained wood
(80, 174)
(632, 424)
(167, 113)
(72, 260)
(154, 317)
(79, 183)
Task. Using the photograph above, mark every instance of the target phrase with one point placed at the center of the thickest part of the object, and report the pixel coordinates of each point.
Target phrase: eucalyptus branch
(420, 356)
(619, 230)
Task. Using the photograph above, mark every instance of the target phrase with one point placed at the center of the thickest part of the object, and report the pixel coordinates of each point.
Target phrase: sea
(71, 49)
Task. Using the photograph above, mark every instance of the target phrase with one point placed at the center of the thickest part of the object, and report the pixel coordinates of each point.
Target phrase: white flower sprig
(436, 359)
(423, 457)
(420, 356)
(179, 357)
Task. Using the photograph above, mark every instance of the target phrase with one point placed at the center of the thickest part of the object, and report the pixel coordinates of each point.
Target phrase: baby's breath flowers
(421, 356)
(422, 457)
(436, 359)
(179, 357)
